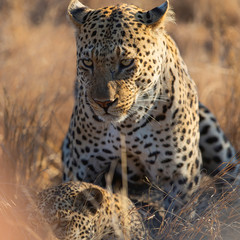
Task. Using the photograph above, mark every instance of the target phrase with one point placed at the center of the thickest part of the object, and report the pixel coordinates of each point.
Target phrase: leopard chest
(152, 150)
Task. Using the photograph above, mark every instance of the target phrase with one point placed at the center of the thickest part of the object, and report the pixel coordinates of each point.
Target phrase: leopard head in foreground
(78, 210)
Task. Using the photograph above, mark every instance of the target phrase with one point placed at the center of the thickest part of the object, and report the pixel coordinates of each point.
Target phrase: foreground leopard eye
(126, 62)
(63, 223)
(87, 63)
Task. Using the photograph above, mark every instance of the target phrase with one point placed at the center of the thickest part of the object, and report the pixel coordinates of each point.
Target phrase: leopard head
(119, 58)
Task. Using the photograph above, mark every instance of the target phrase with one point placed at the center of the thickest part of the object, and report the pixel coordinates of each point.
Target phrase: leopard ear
(89, 200)
(77, 12)
(156, 16)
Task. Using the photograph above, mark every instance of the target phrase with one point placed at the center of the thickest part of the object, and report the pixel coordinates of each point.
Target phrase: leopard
(212, 134)
(80, 210)
(135, 100)
(219, 156)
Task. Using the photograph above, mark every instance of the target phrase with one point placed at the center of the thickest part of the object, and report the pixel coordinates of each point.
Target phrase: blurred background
(37, 69)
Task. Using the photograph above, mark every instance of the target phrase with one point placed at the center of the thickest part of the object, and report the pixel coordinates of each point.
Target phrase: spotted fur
(78, 210)
(133, 84)
(218, 153)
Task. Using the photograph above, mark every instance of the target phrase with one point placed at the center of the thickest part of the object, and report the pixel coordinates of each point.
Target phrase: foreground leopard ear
(77, 12)
(89, 200)
(157, 16)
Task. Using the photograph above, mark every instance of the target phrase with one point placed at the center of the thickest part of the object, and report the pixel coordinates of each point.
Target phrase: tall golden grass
(37, 59)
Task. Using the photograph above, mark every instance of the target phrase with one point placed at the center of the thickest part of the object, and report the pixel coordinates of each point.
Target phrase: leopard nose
(105, 104)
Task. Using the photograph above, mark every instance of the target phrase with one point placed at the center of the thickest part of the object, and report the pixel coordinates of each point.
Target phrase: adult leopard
(133, 84)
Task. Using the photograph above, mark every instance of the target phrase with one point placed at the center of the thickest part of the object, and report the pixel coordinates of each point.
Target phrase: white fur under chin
(108, 118)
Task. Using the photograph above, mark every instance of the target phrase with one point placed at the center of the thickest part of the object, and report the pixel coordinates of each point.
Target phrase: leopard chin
(110, 118)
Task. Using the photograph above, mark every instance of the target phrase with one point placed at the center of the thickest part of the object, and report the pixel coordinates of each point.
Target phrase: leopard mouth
(109, 114)
(106, 116)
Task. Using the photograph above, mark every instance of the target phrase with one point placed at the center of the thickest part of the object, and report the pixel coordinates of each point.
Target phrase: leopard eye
(87, 63)
(126, 62)
(63, 223)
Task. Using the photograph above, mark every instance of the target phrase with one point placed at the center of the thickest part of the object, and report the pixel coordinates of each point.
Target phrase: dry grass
(37, 59)
(217, 215)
